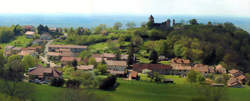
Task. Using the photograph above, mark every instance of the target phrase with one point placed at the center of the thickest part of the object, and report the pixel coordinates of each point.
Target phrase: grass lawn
(145, 91)
(20, 41)
(101, 47)
(165, 62)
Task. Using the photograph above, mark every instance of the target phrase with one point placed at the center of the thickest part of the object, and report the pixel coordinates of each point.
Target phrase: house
(220, 69)
(179, 69)
(45, 36)
(9, 50)
(53, 55)
(28, 28)
(234, 82)
(116, 67)
(180, 61)
(204, 69)
(180, 66)
(27, 52)
(109, 56)
(85, 67)
(68, 60)
(160, 68)
(73, 48)
(53, 29)
(124, 57)
(37, 42)
(30, 34)
(235, 73)
(43, 73)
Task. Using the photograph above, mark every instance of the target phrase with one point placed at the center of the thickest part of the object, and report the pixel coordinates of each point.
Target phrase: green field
(20, 41)
(145, 91)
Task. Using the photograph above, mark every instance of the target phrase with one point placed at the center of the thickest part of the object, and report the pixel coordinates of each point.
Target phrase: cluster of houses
(237, 78)
(65, 53)
(30, 33)
(33, 51)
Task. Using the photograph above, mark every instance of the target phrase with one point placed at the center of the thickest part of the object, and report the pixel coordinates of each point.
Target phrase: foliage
(102, 68)
(87, 79)
(108, 83)
(130, 25)
(192, 76)
(117, 26)
(154, 57)
(73, 84)
(92, 61)
(6, 34)
(156, 77)
(67, 72)
(29, 62)
(57, 82)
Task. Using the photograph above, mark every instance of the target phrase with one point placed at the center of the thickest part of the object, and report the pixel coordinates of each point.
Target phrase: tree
(117, 26)
(131, 57)
(192, 76)
(102, 68)
(153, 57)
(18, 30)
(13, 75)
(74, 64)
(137, 40)
(14, 69)
(40, 29)
(74, 84)
(92, 61)
(87, 79)
(67, 72)
(29, 62)
(2, 62)
(130, 25)
(108, 83)
(156, 77)
(193, 22)
(118, 55)
(57, 82)
(100, 28)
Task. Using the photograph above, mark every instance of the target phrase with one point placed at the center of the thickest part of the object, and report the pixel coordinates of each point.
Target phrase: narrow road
(45, 58)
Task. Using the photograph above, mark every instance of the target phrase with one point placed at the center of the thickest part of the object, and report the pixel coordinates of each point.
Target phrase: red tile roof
(85, 67)
(140, 67)
(70, 59)
(39, 71)
(116, 63)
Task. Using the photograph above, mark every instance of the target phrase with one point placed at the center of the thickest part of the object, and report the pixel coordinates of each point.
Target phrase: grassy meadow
(144, 91)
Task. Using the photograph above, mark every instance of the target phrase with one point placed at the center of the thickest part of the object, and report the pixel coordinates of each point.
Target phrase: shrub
(108, 83)
(57, 82)
(73, 84)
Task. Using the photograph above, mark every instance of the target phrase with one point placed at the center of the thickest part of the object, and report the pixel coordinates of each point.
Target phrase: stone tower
(168, 22)
(173, 22)
(151, 19)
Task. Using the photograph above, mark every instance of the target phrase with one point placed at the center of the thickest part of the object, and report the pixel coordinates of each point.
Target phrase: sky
(134, 7)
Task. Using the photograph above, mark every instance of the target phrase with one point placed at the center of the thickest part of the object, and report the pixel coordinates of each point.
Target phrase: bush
(73, 84)
(108, 83)
(57, 82)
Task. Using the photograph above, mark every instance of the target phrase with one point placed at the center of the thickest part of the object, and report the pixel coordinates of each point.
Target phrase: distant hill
(94, 20)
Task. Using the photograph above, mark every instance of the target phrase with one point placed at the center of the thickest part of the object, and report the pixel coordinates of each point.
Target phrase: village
(54, 57)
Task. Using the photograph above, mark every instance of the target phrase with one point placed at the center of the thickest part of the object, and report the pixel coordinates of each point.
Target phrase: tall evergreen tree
(153, 57)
